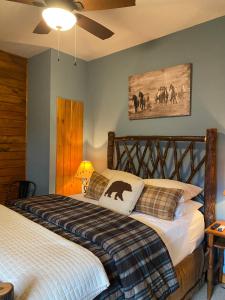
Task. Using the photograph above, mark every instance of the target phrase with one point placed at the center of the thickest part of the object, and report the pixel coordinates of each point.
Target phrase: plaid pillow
(159, 202)
(96, 186)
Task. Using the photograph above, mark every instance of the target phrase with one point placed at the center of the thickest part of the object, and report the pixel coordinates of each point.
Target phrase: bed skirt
(190, 277)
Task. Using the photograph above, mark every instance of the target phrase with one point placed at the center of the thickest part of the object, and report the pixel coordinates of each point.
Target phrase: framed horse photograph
(161, 93)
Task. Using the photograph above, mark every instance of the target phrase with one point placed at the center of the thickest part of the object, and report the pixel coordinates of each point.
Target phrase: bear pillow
(121, 194)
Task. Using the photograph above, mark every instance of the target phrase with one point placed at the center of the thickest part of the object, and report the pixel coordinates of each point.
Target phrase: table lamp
(84, 172)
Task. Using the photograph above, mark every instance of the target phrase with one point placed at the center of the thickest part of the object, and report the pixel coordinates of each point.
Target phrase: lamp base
(85, 182)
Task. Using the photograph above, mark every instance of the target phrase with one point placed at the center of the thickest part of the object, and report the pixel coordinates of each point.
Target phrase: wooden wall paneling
(8, 123)
(13, 89)
(69, 150)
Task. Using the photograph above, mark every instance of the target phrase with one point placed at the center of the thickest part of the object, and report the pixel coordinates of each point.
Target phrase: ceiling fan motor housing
(65, 4)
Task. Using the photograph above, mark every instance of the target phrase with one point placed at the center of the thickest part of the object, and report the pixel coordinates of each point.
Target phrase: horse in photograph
(162, 95)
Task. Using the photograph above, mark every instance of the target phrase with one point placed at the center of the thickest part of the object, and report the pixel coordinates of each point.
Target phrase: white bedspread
(45, 266)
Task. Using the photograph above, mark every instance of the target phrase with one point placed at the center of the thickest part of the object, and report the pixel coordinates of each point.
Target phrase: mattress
(181, 236)
(43, 265)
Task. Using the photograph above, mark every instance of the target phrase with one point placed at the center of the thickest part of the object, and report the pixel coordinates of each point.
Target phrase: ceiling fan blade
(103, 4)
(42, 28)
(93, 27)
(30, 2)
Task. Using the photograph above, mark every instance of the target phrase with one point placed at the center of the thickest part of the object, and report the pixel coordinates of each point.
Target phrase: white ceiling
(150, 19)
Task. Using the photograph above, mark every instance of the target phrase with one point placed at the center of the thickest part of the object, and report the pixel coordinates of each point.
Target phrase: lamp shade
(58, 18)
(85, 169)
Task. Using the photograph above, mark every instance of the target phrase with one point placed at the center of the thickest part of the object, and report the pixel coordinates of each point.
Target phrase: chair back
(26, 189)
(21, 189)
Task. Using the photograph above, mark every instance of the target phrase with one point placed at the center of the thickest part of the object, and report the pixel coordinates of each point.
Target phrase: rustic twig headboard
(190, 159)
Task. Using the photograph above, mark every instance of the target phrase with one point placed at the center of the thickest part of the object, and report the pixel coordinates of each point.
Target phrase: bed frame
(190, 159)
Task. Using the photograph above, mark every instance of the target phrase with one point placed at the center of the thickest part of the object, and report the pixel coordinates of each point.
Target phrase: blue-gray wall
(38, 121)
(204, 47)
(47, 80)
(70, 82)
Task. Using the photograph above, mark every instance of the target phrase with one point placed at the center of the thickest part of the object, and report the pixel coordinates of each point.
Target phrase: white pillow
(190, 190)
(187, 207)
(122, 193)
(109, 174)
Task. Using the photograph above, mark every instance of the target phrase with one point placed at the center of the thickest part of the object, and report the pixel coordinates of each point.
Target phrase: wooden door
(69, 149)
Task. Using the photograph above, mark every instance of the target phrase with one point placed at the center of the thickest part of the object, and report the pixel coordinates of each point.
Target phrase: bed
(147, 157)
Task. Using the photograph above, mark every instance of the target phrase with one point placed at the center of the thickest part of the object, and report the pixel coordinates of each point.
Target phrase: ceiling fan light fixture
(59, 18)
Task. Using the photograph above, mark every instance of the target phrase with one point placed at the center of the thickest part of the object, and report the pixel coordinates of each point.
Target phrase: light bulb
(59, 19)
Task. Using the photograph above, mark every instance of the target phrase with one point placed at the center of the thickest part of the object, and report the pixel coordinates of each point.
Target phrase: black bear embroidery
(118, 187)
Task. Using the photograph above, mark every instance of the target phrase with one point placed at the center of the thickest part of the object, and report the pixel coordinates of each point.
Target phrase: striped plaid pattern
(96, 186)
(159, 202)
(135, 258)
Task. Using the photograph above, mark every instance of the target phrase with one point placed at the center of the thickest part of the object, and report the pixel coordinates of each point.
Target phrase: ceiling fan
(63, 10)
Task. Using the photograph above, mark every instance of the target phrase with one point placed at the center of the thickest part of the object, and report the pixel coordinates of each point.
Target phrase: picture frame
(160, 93)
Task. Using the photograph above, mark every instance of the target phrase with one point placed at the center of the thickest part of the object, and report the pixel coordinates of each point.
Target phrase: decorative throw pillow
(190, 190)
(121, 194)
(96, 186)
(159, 202)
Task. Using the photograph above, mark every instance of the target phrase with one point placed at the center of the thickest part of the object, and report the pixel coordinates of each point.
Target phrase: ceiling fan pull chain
(75, 46)
(58, 49)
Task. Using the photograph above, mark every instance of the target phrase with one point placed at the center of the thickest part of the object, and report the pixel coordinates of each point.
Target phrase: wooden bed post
(110, 150)
(210, 176)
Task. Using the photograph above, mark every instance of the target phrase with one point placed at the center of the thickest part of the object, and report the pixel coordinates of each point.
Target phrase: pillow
(96, 186)
(108, 173)
(159, 202)
(190, 191)
(122, 193)
(187, 207)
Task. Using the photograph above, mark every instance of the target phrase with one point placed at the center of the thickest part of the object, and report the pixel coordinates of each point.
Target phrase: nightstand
(6, 291)
(216, 240)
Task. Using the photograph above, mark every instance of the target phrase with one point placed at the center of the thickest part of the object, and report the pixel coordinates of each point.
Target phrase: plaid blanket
(135, 258)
